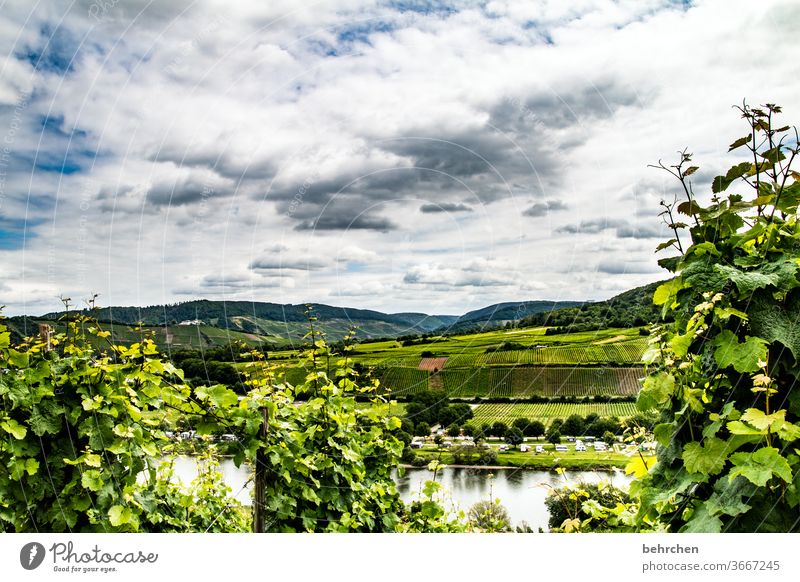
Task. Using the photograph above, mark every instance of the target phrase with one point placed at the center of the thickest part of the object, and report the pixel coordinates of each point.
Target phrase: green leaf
(18, 359)
(46, 419)
(721, 183)
(702, 521)
(707, 458)
(14, 428)
(728, 496)
(92, 480)
(690, 170)
(744, 357)
(703, 248)
(725, 313)
(776, 322)
(739, 428)
(740, 142)
(663, 433)
(638, 466)
(656, 391)
(92, 460)
(781, 274)
(680, 344)
(667, 291)
(119, 515)
(761, 420)
(759, 467)
(666, 245)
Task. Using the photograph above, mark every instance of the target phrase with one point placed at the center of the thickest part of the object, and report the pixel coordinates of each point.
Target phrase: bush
(468, 454)
(568, 503)
(489, 516)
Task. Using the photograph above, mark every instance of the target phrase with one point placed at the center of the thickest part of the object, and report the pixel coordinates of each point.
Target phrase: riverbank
(583, 461)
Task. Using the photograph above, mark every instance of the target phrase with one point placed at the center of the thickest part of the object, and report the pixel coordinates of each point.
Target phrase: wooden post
(260, 486)
(45, 335)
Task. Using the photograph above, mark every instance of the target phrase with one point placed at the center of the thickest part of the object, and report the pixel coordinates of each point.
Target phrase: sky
(392, 155)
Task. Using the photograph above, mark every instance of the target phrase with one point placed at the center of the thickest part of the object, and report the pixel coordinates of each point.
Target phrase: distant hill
(629, 309)
(204, 323)
(500, 313)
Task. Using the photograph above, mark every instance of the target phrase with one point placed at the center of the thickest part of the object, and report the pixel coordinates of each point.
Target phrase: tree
(438, 439)
(553, 437)
(499, 429)
(468, 430)
(609, 438)
(534, 429)
(514, 436)
(453, 430)
(574, 425)
(521, 423)
(555, 427)
(422, 429)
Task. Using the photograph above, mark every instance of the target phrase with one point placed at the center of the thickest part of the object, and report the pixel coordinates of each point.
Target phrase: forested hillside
(629, 309)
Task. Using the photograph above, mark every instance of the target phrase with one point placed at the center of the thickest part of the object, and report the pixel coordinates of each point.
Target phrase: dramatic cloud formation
(390, 155)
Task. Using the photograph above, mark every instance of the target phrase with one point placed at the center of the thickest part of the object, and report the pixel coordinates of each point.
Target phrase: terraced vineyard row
(522, 382)
(404, 381)
(489, 413)
(621, 353)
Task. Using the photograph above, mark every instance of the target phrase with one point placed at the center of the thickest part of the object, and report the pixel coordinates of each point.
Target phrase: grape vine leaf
(776, 324)
(703, 521)
(656, 391)
(707, 458)
(744, 357)
(760, 466)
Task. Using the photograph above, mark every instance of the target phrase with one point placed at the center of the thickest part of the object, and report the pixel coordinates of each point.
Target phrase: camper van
(561, 448)
(600, 446)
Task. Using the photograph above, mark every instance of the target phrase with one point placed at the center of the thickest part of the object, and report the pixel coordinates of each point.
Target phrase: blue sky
(405, 155)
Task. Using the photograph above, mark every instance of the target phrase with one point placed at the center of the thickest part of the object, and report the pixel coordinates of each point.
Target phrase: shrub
(489, 516)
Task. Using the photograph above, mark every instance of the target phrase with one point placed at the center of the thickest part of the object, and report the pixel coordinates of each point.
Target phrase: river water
(522, 492)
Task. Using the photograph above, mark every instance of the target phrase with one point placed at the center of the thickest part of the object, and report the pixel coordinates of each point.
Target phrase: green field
(545, 412)
(597, 363)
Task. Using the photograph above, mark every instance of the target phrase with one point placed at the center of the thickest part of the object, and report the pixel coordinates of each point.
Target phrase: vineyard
(522, 382)
(629, 352)
(403, 381)
(489, 413)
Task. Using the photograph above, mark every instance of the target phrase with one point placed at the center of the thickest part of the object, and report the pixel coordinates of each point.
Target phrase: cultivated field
(489, 413)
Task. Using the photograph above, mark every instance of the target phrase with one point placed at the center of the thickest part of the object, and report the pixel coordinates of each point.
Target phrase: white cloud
(319, 132)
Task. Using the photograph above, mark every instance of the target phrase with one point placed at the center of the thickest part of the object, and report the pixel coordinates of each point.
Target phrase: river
(521, 491)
